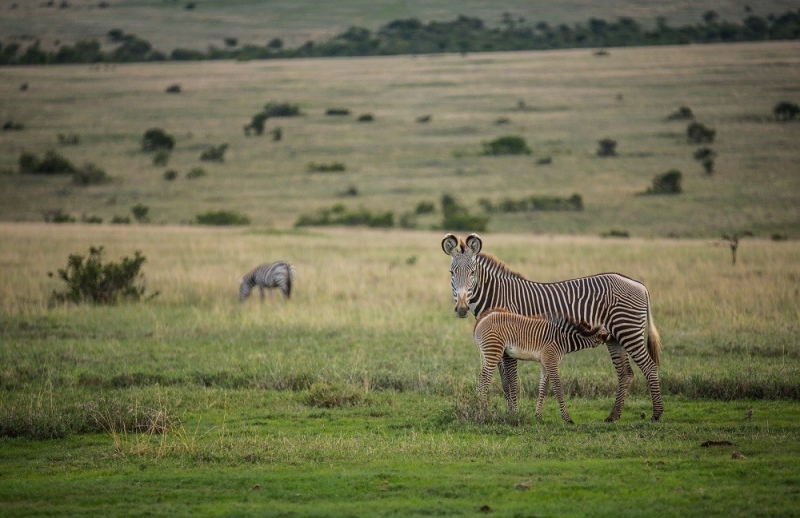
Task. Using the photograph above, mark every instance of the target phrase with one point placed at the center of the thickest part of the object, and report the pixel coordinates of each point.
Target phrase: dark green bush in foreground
(90, 280)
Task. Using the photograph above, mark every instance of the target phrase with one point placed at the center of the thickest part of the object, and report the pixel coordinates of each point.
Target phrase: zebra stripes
(267, 276)
(544, 338)
(620, 304)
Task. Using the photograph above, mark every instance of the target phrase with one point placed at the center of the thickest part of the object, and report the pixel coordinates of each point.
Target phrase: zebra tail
(653, 339)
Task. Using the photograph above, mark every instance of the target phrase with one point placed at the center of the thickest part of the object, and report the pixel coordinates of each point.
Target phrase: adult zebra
(618, 303)
(269, 275)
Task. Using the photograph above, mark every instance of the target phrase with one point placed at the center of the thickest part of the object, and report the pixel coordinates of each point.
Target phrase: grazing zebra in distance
(544, 338)
(620, 304)
(269, 275)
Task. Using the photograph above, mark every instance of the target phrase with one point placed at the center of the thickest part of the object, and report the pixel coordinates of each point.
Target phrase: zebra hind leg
(624, 379)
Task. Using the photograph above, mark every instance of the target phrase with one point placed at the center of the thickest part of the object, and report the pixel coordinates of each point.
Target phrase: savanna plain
(356, 397)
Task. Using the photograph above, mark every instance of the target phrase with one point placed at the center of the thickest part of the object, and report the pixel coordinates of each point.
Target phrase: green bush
(786, 111)
(666, 183)
(607, 147)
(507, 145)
(699, 134)
(90, 174)
(52, 163)
(333, 167)
(90, 280)
(222, 218)
(196, 172)
(57, 216)
(536, 203)
(121, 220)
(139, 212)
(161, 157)
(156, 139)
(425, 207)
(174, 89)
(366, 117)
(337, 111)
(339, 215)
(682, 113)
(170, 175)
(214, 153)
(457, 217)
(71, 139)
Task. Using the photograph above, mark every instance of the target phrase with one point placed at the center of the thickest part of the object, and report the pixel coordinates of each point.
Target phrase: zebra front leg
(624, 379)
(510, 381)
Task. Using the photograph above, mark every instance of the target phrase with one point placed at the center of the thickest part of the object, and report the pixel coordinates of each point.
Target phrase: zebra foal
(267, 276)
(543, 338)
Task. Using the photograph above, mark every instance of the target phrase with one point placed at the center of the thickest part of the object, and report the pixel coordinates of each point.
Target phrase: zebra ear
(474, 244)
(450, 244)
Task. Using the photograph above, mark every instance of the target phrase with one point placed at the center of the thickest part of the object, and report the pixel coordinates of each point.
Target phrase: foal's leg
(543, 379)
(510, 380)
(550, 363)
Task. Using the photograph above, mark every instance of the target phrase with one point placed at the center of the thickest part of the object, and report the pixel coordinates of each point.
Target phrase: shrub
(196, 172)
(425, 207)
(607, 147)
(666, 183)
(277, 134)
(72, 139)
(366, 117)
(174, 89)
(457, 217)
(507, 145)
(337, 111)
(698, 133)
(423, 119)
(13, 126)
(350, 191)
(89, 280)
(273, 109)
(786, 111)
(92, 219)
(155, 139)
(537, 203)
(161, 158)
(222, 218)
(339, 215)
(333, 167)
(170, 175)
(616, 233)
(121, 220)
(52, 163)
(214, 153)
(231, 42)
(90, 174)
(683, 113)
(139, 212)
(706, 156)
(256, 124)
(57, 216)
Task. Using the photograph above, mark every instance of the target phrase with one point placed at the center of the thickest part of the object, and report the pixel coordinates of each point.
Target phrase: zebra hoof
(611, 419)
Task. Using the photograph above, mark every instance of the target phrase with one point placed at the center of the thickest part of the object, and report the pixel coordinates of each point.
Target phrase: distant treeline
(411, 36)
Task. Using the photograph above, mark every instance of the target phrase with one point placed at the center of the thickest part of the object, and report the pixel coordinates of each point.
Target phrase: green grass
(395, 163)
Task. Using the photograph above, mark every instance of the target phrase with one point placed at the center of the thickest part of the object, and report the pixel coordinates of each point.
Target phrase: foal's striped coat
(268, 275)
(544, 338)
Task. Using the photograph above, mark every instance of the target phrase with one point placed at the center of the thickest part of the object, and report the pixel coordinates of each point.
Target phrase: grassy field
(357, 396)
(572, 99)
(257, 21)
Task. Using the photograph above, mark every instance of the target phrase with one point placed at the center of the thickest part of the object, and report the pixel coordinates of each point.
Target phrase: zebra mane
(499, 267)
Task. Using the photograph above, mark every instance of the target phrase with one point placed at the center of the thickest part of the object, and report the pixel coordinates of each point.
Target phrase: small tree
(699, 134)
(140, 212)
(457, 217)
(666, 183)
(706, 156)
(785, 111)
(156, 139)
(214, 153)
(607, 147)
(89, 280)
(733, 242)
